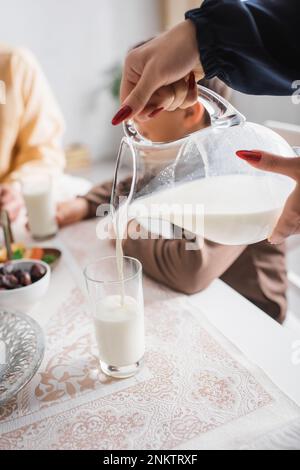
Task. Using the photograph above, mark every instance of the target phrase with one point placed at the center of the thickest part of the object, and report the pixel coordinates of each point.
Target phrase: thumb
(273, 163)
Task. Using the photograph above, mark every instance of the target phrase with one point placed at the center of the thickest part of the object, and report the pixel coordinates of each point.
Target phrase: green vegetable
(49, 259)
(18, 254)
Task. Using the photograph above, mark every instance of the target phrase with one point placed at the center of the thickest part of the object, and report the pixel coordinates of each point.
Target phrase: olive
(1, 280)
(9, 281)
(25, 279)
(18, 273)
(37, 272)
(7, 268)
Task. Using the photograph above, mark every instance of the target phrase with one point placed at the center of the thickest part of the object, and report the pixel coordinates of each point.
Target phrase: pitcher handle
(222, 113)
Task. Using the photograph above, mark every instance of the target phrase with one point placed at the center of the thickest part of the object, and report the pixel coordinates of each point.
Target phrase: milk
(120, 219)
(120, 265)
(120, 330)
(238, 209)
(40, 209)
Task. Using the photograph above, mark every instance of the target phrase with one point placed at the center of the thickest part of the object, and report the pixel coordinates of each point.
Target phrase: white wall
(262, 108)
(76, 41)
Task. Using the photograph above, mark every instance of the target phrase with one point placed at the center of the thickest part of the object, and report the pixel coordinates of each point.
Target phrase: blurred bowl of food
(21, 251)
(23, 283)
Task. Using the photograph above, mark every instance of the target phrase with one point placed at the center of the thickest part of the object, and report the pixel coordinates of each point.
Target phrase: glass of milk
(118, 312)
(37, 191)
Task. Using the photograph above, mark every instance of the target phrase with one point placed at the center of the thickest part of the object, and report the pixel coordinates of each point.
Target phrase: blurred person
(31, 125)
(257, 271)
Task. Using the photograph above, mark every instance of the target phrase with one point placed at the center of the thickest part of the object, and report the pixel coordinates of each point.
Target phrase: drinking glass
(38, 195)
(118, 312)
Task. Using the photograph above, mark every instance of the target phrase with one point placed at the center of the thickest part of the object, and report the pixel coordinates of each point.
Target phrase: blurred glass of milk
(37, 189)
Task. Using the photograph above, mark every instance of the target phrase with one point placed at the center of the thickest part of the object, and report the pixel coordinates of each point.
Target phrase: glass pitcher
(197, 180)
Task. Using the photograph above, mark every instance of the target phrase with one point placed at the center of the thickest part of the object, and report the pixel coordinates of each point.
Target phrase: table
(218, 372)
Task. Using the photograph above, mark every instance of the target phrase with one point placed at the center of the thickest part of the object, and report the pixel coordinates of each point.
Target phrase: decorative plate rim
(37, 359)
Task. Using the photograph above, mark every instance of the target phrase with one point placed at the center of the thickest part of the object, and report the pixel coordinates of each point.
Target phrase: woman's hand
(11, 200)
(70, 212)
(289, 221)
(161, 74)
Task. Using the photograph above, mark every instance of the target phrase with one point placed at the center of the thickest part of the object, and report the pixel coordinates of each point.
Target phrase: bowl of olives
(23, 283)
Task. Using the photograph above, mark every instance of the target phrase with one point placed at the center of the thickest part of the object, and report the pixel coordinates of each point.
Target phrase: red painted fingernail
(121, 115)
(155, 112)
(191, 81)
(249, 155)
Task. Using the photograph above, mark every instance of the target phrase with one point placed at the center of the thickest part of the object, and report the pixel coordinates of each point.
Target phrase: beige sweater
(31, 124)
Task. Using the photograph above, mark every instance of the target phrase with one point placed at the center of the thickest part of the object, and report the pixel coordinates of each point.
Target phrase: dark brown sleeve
(99, 194)
(169, 262)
